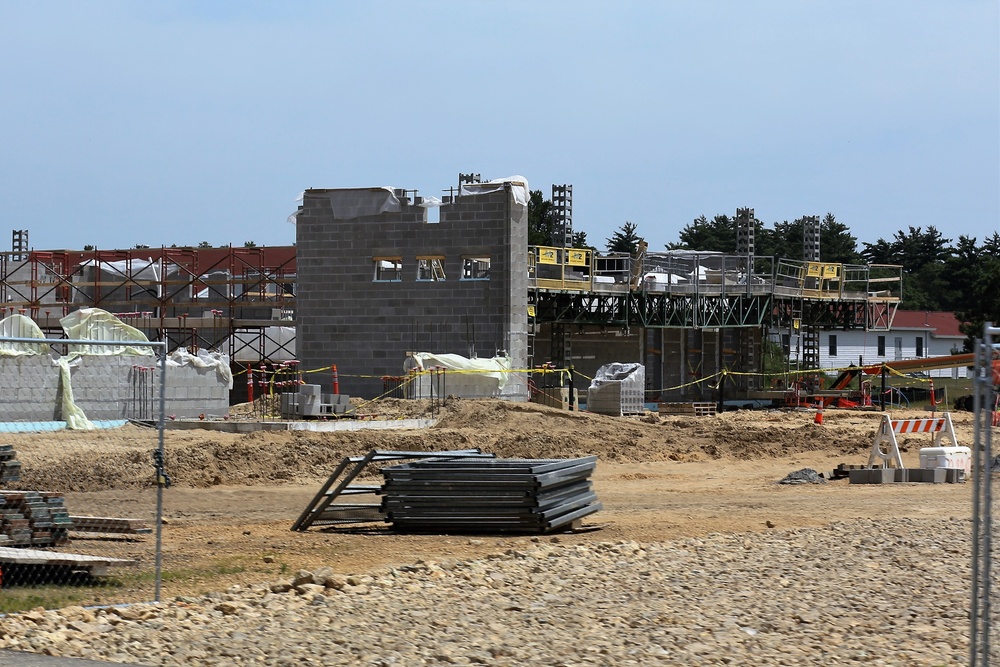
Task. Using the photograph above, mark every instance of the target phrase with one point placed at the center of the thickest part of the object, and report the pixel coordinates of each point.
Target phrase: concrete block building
(378, 278)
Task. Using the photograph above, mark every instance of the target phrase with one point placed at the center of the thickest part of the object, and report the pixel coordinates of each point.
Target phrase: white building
(915, 334)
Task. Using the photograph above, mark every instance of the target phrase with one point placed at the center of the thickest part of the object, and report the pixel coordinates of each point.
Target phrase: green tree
(204, 244)
(785, 241)
(782, 242)
(625, 239)
(715, 235)
(580, 241)
(249, 244)
(982, 289)
(923, 255)
(541, 219)
(837, 244)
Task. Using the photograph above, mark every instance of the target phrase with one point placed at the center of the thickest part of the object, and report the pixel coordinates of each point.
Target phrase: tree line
(939, 274)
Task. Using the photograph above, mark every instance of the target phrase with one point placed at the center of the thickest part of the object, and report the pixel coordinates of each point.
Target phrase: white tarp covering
(660, 281)
(21, 326)
(617, 389)
(204, 359)
(463, 377)
(72, 414)
(519, 188)
(356, 202)
(294, 216)
(100, 325)
(136, 269)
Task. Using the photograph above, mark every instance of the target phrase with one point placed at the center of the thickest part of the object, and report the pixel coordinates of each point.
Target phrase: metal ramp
(323, 511)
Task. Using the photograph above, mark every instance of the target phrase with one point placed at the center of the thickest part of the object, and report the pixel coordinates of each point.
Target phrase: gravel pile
(892, 592)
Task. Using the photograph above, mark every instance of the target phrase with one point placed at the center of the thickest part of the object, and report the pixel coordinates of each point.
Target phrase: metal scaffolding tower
(562, 210)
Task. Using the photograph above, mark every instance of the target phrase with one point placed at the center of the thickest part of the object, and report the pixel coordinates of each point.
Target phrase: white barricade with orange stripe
(885, 449)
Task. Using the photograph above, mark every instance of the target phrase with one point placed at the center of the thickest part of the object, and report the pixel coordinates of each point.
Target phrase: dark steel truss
(642, 309)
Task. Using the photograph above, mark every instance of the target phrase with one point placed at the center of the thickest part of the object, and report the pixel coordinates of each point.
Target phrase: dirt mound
(197, 458)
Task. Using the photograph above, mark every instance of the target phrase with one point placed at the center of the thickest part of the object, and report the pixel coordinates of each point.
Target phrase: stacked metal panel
(489, 495)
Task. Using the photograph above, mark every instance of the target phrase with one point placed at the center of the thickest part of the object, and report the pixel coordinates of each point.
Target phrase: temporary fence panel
(984, 635)
(81, 472)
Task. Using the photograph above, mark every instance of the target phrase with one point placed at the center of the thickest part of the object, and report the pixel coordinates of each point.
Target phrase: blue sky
(182, 122)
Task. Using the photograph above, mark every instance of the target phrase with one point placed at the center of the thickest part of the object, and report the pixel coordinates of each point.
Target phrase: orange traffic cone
(819, 414)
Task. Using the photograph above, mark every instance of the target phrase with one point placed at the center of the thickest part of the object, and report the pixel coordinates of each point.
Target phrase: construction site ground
(235, 496)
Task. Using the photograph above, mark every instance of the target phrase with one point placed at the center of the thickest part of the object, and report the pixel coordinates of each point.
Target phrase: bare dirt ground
(235, 497)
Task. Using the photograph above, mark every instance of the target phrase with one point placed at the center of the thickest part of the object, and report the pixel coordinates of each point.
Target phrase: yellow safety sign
(547, 256)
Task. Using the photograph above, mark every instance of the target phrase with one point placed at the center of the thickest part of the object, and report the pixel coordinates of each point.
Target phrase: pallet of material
(697, 409)
(109, 525)
(96, 565)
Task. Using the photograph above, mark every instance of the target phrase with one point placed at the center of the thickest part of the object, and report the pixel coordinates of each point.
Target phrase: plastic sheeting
(471, 378)
(21, 326)
(519, 188)
(72, 414)
(353, 203)
(213, 360)
(617, 389)
(100, 325)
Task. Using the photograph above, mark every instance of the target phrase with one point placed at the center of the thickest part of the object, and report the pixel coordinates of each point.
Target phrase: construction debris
(804, 476)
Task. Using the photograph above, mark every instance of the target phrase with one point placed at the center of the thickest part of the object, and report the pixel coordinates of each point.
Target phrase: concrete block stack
(895, 475)
(10, 470)
(29, 518)
(33, 519)
(310, 401)
(618, 389)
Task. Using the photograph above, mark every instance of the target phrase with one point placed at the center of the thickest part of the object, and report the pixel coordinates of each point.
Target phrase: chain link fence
(81, 475)
(984, 645)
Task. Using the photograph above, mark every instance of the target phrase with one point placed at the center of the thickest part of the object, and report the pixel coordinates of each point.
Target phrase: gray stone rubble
(893, 592)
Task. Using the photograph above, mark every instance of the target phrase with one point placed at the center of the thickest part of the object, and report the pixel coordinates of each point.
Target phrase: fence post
(572, 390)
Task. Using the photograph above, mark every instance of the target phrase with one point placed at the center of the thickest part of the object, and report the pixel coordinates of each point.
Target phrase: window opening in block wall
(430, 268)
(475, 267)
(388, 269)
(833, 345)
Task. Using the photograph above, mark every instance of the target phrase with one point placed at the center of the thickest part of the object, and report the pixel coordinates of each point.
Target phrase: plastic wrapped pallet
(618, 389)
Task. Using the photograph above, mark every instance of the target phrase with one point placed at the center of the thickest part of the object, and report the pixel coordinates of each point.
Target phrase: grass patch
(14, 600)
(32, 590)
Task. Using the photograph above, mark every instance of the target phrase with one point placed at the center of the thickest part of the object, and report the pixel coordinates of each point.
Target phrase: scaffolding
(225, 299)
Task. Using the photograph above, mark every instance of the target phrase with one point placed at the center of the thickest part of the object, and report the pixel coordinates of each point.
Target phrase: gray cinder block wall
(364, 326)
(107, 387)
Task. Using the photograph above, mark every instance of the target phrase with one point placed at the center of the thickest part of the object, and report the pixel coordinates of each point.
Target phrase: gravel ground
(892, 592)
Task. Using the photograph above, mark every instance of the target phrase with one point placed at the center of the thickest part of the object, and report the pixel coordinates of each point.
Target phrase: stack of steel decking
(489, 495)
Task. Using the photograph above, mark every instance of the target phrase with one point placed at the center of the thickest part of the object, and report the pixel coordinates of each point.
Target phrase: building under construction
(379, 273)
(379, 277)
